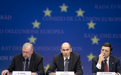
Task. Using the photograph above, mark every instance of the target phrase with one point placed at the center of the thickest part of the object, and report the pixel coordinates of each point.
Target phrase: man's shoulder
(95, 58)
(18, 55)
(58, 55)
(75, 54)
(37, 55)
(114, 58)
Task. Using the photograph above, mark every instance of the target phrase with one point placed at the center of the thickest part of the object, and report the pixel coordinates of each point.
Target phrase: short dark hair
(108, 45)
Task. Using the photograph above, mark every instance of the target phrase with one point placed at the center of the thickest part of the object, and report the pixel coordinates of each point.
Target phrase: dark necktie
(66, 65)
(105, 66)
(26, 66)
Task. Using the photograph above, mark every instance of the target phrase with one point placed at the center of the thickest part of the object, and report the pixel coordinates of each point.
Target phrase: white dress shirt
(99, 66)
(65, 59)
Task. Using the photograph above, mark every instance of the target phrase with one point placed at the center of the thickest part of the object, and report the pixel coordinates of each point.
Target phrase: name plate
(105, 73)
(64, 73)
(21, 73)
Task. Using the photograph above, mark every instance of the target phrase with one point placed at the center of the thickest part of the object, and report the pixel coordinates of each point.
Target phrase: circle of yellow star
(95, 40)
(47, 12)
(91, 25)
(90, 57)
(80, 12)
(46, 67)
(36, 24)
(63, 8)
(32, 39)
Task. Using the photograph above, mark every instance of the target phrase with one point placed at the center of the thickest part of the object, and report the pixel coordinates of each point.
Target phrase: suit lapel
(102, 66)
(111, 63)
(70, 62)
(61, 61)
(21, 63)
(31, 61)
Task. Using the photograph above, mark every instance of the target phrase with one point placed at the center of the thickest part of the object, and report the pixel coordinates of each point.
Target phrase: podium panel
(105, 73)
(21, 73)
(64, 73)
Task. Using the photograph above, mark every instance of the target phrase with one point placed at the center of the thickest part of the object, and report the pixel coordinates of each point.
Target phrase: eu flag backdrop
(85, 24)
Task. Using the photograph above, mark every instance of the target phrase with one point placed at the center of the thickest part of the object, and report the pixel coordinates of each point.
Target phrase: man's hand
(33, 73)
(54, 73)
(4, 72)
(101, 57)
(75, 74)
(116, 74)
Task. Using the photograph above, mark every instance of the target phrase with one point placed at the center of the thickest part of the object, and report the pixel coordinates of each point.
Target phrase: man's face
(27, 52)
(105, 51)
(66, 50)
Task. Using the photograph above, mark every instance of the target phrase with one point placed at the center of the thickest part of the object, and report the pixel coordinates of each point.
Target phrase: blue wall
(85, 24)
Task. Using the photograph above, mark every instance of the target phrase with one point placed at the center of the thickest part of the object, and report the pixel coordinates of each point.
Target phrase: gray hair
(28, 44)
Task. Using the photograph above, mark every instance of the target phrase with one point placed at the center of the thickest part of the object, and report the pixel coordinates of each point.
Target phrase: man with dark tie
(66, 61)
(26, 61)
(106, 63)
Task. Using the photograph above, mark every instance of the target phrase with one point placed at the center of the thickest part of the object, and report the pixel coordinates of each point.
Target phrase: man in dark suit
(106, 63)
(59, 61)
(26, 61)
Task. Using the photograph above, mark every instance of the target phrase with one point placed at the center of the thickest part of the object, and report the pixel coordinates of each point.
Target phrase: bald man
(59, 60)
(35, 62)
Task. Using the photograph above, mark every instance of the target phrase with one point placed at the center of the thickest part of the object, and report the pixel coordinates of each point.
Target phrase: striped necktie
(66, 65)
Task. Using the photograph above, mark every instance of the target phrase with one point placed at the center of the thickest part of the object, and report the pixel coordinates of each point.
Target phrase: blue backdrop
(85, 24)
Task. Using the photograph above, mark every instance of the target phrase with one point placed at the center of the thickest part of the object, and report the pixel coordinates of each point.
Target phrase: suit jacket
(36, 64)
(114, 65)
(58, 63)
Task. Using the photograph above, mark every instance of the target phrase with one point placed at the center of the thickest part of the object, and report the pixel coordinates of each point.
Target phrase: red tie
(105, 66)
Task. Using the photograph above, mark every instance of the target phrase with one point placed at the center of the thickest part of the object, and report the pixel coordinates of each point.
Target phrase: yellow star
(47, 12)
(32, 39)
(46, 67)
(90, 57)
(80, 12)
(36, 24)
(95, 40)
(91, 25)
(63, 8)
